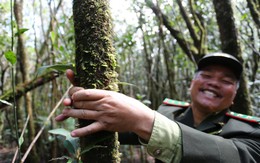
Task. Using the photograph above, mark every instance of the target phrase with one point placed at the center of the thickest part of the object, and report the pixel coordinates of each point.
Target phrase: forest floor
(129, 154)
(6, 154)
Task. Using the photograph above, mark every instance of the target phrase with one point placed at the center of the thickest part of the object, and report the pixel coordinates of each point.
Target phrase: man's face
(213, 89)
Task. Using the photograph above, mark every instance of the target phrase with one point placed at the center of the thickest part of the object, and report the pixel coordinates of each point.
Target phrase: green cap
(224, 59)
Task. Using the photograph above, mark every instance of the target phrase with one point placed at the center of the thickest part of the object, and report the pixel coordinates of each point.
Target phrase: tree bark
(230, 44)
(95, 65)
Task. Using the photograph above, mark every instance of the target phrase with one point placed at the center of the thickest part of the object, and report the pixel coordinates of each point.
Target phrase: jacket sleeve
(204, 148)
(165, 141)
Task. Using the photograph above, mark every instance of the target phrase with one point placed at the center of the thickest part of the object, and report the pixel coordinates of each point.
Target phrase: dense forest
(156, 43)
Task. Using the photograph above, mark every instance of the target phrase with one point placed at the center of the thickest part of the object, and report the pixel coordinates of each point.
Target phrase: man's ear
(191, 83)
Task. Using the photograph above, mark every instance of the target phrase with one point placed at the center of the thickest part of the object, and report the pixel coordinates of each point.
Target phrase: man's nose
(214, 83)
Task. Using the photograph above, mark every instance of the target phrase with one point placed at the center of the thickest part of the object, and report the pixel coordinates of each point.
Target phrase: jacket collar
(211, 124)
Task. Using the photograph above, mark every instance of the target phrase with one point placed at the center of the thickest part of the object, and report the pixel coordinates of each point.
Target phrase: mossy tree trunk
(95, 66)
(230, 44)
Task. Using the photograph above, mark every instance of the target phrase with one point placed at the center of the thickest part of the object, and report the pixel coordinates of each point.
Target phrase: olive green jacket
(221, 138)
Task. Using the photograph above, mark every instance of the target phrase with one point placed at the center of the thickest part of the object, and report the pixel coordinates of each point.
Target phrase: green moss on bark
(95, 66)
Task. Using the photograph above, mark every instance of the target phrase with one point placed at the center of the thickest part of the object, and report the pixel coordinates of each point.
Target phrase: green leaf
(70, 146)
(6, 102)
(146, 102)
(70, 161)
(21, 31)
(11, 57)
(60, 131)
(244, 16)
(53, 37)
(127, 84)
(62, 49)
(71, 143)
(59, 67)
(21, 140)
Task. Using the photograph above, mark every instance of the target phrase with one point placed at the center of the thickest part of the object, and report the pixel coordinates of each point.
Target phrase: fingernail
(73, 134)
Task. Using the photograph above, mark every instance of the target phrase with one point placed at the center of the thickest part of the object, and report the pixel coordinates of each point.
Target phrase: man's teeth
(209, 93)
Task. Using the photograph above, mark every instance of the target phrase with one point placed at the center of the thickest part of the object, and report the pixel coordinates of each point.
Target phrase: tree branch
(21, 89)
(202, 45)
(254, 8)
(187, 47)
(189, 24)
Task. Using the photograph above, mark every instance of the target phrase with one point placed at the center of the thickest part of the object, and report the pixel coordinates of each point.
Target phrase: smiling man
(203, 132)
(214, 86)
(213, 89)
(209, 131)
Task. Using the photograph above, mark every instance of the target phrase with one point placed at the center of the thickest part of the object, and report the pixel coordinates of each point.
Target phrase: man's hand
(111, 111)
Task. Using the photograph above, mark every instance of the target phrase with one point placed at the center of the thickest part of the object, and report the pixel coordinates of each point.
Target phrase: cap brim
(234, 65)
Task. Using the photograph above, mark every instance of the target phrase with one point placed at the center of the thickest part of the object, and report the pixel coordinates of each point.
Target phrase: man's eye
(226, 81)
(206, 76)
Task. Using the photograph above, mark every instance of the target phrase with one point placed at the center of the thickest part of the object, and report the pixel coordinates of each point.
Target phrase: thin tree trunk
(95, 65)
(24, 64)
(169, 63)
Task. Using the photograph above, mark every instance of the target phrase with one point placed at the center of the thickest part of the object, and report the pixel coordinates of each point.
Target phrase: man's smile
(210, 93)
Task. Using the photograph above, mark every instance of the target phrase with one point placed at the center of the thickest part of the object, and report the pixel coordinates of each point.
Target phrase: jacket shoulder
(170, 107)
(243, 117)
(171, 102)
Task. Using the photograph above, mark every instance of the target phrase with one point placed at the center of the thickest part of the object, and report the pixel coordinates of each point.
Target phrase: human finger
(90, 129)
(71, 76)
(74, 89)
(67, 102)
(90, 94)
(81, 114)
(87, 105)
(61, 117)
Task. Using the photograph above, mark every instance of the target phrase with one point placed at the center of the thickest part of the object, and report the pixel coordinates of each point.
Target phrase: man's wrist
(165, 141)
(145, 128)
